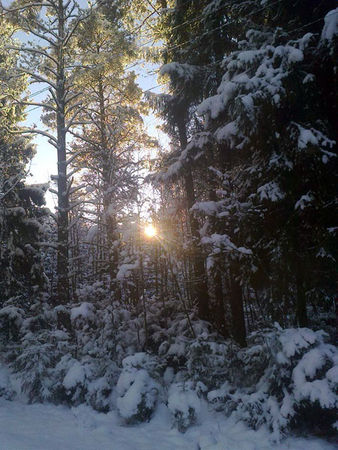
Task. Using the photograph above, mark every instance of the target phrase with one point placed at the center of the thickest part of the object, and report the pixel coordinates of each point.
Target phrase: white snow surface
(43, 426)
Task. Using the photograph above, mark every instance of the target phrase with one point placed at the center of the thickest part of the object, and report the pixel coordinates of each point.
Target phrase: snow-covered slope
(48, 427)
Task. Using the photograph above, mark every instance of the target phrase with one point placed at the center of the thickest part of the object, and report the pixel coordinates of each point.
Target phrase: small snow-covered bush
(211, 360)
(33, 368)
(298, 387)
(89, 380)
(71, 378)
(184, 404)
(97, 291)
(100, 389)
(137, 390)
(82, 316)
(11, 318)
(6, 390)
(36, 360)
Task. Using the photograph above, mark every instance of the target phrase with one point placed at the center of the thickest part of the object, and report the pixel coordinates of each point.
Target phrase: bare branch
(70, 174)
(34, 131)
(39, 35)
(33, 50)
(71, 98)
(72, 122)
(38, 78)
(76, 188)
(43, 105)
(83, 138)
(71, 159)
(24, 7)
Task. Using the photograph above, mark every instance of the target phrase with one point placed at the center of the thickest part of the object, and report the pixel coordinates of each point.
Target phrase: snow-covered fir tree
(182, 295)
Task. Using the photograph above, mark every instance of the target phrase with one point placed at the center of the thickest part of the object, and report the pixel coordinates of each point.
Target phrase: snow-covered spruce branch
(54, 144)
(19, 177)
(54, 217)
(76, 124)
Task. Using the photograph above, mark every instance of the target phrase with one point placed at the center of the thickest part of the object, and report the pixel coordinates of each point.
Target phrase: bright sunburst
(150, 231)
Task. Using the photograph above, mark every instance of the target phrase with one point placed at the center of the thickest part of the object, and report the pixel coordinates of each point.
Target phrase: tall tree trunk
(63, 196)
(301, 312)
(220, 320)
(238, 330)
(199, 285)
(221, 324)
(237, 307)
(110, 217)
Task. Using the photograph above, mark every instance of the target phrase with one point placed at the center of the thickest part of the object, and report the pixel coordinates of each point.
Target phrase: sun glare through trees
(186, 279)
(150, 231)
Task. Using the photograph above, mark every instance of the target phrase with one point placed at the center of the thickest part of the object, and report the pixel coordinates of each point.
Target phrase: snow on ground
(49, 427)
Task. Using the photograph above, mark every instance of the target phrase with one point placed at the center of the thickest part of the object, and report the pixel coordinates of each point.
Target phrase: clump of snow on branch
(330, 29)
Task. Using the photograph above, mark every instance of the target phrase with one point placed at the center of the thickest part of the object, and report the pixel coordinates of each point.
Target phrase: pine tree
(48, 60)
(111, 126)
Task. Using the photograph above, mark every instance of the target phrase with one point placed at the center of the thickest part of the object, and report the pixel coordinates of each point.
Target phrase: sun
(150, 231)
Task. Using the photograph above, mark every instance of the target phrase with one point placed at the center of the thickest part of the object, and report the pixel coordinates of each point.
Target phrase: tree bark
(221, 323)
(199, 285)
(237, 308)
(109, 217)
(63, 198)
(301, 312)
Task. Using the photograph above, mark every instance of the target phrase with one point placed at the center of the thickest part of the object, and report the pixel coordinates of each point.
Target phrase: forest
(173, 284)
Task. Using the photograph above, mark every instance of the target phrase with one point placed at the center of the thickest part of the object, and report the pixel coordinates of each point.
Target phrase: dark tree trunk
(237, 308)
(199, 285)
(301, 313)
(220, 320)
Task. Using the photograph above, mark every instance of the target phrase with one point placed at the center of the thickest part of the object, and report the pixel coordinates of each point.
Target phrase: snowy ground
(48, 427)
